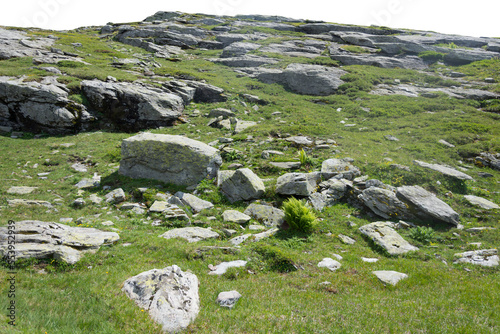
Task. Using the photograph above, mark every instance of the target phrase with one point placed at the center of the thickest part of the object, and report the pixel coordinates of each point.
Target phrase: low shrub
(423, 234)
(275, 259)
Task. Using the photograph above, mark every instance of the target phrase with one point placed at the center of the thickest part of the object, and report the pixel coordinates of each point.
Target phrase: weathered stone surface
(415, 91)
(245, 61)
(265, 214)
(234, 216)
(228, 298)
(191, 234)
(195, 203)
(426, 205)
(40, 106)
(486, 159)
(168, 158)
(169, 295)
(16, 202)
(386, 237)
(389, 276)
(22, 190)
(329, 263)
(297, 48)
(300, 184)
(306, 79)
(240, 125)
(224, 266)
(300, 141)
(484, 257)
(115, 196)
(133, 107)
(265, 234)
(239, 49)
(242, 185)
(46, 239)
(333, 167)
(286, 165)
(385, 204)
(169, 210)
(481, 202)
(444, 170)
(334, 189)
(407, 62)
(346, 240)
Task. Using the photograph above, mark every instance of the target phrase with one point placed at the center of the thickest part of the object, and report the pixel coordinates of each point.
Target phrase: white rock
(329, 263)
(389, 277)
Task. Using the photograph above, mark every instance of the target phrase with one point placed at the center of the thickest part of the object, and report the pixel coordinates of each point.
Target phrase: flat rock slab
(286, 165)
(234, 216)
(444, 170)
(389, 276)
(329, 263)
(169, 295)
(224, 266)
(346, 240)
(17, 202)
(265, 214)
(191, 234)
(385, 204)
(195, 203)
(37, 239)
(386, 237)
(333, 167)
(481, 202)
(168, 158)
(426, 205)
(228, 298)
(299, 184)
(484, 257)
(21, 190)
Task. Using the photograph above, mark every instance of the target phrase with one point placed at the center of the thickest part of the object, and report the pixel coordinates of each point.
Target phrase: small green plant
(432, 56)
(423, 234)
(229, 156)
(304, 159)
(299, 215)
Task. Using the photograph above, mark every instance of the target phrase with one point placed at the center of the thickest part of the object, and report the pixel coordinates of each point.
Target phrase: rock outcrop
(240, 185)
(383, 235)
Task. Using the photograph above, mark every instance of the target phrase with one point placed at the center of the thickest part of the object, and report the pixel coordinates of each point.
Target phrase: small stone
(389, 277)
(228, 298)
(116, 196)
(256, 228)
(346, 240)
(329, 263)
(79, 202)
(481, 202)
(224, 266)
(234, 216)
(21, 190)
(108, 223)
(391, 138)
(484, 257)
(369, 260)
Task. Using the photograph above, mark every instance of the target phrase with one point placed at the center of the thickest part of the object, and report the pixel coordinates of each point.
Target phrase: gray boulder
(171, 159)
(245, 61)
(133, 107)
(115, 196)
(444, 170)
(228, 298)
(335, 167)
(234, 216)
(241, 185)
(426, 205)
(484, 257)
(299, 184)
(37, 239)
(481, 202)
(265, 214)
(407, 62)
(382, 234)
(191, 234)
(35, 107)
(385, 204)
(389, 276)
(239, 49)
(169, 295)
(195, 203)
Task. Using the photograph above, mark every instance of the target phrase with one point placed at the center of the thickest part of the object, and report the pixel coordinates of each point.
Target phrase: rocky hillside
(160, 161)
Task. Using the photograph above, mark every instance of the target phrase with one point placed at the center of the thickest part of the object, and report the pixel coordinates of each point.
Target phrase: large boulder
(168, 158)
(445, 170)
(169, 295)
(36, 107)
(383, 235)
(336, 167)
(265, 214)
(241, 185)
(306, 79)
(133, 107)
(385, 204)
(426, 205)
(299, 184)
(37, 239)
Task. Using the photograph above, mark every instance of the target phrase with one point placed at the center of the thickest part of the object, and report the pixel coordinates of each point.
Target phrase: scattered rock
(191, 234)
(369, 260)
(171, 159)
(334, 167)
(300, 184)
(265, 214)
(195, 203)
(234, 216)
(228, 298)
(16, 202)
(346, 240)
(224, 266)
(37, 239)
(444, 170)
(115, 196)
(329, 263)
(285, 165)
(21, 190)
(484, 257)
(481, 202)
(382, 234)
(300, 141)
(241, 185)
(169, 295)
(384, 203)
(389, 276)
(94, 182)
(445, 143)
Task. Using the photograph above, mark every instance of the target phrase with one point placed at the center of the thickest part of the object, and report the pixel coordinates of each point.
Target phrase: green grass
(436, 297)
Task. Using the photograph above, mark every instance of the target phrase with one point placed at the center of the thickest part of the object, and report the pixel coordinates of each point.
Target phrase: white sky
(472, 18)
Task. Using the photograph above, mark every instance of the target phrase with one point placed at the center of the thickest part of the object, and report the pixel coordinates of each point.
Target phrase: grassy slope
(436, 298)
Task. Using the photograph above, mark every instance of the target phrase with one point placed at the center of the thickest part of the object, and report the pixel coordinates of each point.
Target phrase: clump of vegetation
(423, 234)
(299, 215)
(275, 259)
(432, 56)
(304, 159)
